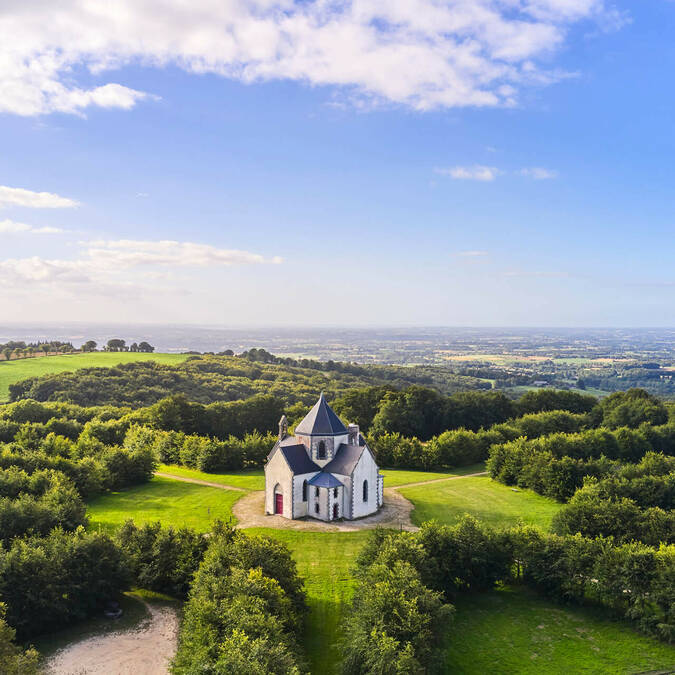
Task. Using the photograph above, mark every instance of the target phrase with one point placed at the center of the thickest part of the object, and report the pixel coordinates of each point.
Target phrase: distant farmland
(21, 369)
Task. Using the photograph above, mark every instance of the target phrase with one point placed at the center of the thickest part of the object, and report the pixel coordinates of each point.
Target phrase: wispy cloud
(539, 173)
(423, 54)
(472, 254)
(489, 173)
(13, 227)
(476, 172)
(107, 264)
(12, 196)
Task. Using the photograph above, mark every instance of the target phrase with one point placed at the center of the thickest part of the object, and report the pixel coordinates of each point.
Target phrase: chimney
(353, 431)
(283, 428)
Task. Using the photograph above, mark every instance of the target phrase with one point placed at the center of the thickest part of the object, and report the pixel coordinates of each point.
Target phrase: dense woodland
(610, 461)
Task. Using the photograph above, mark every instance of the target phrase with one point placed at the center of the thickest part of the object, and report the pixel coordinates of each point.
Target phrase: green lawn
(324, 560)
(492, 502)
(249, 480)
(171, 502)
(514, 630)
(396, 477)
(21, 369)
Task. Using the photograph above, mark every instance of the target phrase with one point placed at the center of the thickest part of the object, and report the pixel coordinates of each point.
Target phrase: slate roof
(346, 458)
(298, 459)
(321, 421)
(324, 479)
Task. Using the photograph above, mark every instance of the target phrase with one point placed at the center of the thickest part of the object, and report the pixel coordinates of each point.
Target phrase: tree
(134, 347)
(116, 345)
(89, 346)
(7, 353)
(145, 347)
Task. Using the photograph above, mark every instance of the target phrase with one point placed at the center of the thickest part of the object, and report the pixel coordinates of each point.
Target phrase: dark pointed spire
(321, 421)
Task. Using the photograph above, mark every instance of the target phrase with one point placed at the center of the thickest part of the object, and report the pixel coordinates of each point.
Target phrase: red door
(278, 503)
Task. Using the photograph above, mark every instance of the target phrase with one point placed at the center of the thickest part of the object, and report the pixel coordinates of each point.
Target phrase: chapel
(325, 470)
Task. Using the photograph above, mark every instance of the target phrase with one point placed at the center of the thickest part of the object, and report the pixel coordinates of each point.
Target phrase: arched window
(365, 490)
(304, 491)
(321, 452)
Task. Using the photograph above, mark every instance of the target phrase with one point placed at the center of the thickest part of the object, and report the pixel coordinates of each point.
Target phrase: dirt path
(147, 648)
(198, 481)
(439, 480)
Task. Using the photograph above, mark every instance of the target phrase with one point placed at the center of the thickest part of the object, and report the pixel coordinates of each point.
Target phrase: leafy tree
(89, 346)
(115, 345)
(145, 347)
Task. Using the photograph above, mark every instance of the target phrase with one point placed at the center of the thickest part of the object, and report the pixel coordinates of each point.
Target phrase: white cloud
(476, 172)
(10, 196)
(103, 266)
(539, 173)
(13, 227)
(419, 53)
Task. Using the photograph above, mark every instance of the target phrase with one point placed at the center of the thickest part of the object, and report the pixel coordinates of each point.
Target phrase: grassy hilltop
(21, 369)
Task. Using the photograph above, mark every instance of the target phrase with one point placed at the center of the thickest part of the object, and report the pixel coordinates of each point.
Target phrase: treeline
(400, 613)
(207, 379)
(19, 349)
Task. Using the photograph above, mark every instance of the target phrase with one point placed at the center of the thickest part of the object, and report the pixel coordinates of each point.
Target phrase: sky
(373, 162)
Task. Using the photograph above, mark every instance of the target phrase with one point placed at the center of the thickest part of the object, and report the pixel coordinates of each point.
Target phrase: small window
(334, 492)
(316, 492)
(316, 508)
(304, 491)
(365, 490)
(321, 452)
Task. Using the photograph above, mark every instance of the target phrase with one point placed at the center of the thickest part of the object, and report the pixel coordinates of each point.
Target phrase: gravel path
(143, 650)
(250, 512)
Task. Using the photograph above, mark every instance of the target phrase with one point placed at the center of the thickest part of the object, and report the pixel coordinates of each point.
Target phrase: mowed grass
(324, 560)
(248, 480)
(514, 630)
(171, 502)
(397, 477)
(21, 369)
(487, 500)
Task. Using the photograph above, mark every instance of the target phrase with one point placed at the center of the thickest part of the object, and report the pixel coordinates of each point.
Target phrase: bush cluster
(399, 615)
(244, 610)
(461, 447)
(48, 582)
(160, 558)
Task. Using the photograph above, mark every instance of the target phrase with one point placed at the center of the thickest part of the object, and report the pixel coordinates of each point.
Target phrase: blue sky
(495, 162)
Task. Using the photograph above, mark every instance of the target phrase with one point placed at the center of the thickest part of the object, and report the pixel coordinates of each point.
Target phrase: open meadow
(494, 503)
(22, 369)
(509, 630)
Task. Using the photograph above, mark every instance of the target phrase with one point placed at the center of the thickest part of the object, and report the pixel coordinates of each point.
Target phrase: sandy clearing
(144, 649)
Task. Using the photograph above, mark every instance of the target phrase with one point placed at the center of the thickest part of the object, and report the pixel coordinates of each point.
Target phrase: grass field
(169, 501)
(324, 560)
(397, 477)
(21, 369)
(514, 630)
(482, 497)
(249, 480)
(505, 631)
